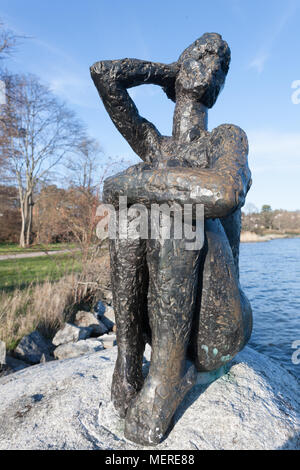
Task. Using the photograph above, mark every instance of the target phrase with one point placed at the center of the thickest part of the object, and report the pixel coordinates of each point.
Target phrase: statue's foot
(124, 388)
(150, 415)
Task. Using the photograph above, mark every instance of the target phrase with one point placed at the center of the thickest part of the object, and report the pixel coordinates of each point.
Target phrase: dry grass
(47, 306)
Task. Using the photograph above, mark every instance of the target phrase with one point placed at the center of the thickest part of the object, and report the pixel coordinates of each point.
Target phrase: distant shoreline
(252, 237)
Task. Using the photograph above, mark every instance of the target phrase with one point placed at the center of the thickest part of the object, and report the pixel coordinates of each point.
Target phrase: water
(270, 276)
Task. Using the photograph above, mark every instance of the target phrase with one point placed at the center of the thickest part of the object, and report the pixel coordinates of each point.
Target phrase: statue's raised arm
(112, 78)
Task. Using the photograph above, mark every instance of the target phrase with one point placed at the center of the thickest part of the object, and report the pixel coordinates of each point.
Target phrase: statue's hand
(145, 183)
(169, 83)
(122, 183)
(111, 188)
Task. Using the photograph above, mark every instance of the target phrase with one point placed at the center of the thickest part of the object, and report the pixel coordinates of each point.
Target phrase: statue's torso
(191, 154)
(199, 153)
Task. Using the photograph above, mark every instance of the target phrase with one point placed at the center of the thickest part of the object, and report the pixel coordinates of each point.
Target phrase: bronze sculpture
(187, 304)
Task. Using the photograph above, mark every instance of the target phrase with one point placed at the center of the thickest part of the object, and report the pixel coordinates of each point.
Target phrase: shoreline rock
(89, 320)
(34, 348)
(66, 405)
(108, 340)
(71, 350)
(70, 333)
(89, 334)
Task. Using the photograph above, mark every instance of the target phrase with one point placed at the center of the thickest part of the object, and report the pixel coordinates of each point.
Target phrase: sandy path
(33, 254)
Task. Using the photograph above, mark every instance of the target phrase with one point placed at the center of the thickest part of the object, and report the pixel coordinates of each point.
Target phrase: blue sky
(67, 36)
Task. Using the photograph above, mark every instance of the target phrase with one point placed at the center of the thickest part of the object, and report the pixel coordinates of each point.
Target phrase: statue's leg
(221, 323)
(129, 277)
(173, 273)
(232, 226)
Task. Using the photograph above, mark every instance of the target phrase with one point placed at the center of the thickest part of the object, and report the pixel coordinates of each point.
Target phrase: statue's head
(203, 68)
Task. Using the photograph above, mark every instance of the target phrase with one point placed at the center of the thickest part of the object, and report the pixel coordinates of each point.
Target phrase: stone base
(66, 405)
(204, 378)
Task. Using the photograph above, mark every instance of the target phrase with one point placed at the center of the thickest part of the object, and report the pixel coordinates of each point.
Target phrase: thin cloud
(75, 88)
(279, 151)
(264, 52)
(259, 62)
(274, 160)
(274, 143)
(58, 69)
(53, 50)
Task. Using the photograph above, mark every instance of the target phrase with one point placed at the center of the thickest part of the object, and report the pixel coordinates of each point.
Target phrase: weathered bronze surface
(187, 304)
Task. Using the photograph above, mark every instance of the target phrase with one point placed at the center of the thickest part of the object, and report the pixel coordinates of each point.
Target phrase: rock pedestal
(66, 405)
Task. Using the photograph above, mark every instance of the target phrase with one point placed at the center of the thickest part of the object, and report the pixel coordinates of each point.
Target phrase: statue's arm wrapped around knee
(222, 188)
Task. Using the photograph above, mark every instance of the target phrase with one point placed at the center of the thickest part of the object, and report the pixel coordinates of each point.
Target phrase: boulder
(110, 314)
(105, 313)
(70, 333)
(104, 328)
(12, 365)
(33, 347)
(45, 358)
(109, 318)
(108, 297)
(88, 319)
(5, 370)
(66, 405)
(108, 340)
(65, 351)
(100, 309)
(2, 353)
(108, 323)
(16, 364)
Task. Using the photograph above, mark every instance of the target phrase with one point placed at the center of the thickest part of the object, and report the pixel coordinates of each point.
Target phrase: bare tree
(250, 208)
(10, 217)
(83, 195)
(8, 41)
(83, 169)
(86, 176)
(37, 133)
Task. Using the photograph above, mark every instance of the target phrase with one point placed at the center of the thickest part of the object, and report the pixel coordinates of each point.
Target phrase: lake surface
(270, 276)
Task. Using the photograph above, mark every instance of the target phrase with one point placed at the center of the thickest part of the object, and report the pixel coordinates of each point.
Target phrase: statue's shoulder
(229, 133)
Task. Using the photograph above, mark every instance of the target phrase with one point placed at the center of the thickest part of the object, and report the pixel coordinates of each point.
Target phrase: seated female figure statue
(186, 303)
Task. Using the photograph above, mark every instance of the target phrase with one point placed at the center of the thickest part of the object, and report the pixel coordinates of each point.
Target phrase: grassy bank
(19, 273)
(44, 306)
(44, 292)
